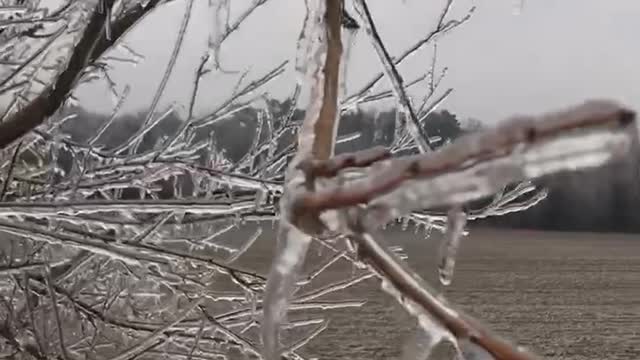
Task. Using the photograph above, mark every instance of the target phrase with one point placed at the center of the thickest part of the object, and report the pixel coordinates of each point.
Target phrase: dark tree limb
(92, 45)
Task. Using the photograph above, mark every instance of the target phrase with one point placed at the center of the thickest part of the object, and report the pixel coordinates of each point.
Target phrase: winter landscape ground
(570, 296)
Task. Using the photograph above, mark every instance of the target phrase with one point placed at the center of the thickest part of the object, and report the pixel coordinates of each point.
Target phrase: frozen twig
(316, 140)
(516, 150)
(513, 140)
(88, 48)
(411, 286)
(441, 28)
(131, 238)
(412, 122)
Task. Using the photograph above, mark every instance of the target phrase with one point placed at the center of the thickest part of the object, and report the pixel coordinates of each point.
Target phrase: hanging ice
(456, 220)
(107, 23)
(293, 244)
(290, 254)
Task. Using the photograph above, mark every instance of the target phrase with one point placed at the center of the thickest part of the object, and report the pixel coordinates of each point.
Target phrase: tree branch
(92, 44)
(507, 139)
(326, 125)
(413, 124)
(411, 286)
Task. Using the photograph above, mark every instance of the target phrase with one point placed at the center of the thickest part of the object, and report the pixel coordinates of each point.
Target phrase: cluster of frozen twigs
(353, 194)
(129, 250)
(134, 249)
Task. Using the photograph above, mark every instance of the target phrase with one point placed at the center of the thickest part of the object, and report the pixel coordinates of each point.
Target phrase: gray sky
(553, 53)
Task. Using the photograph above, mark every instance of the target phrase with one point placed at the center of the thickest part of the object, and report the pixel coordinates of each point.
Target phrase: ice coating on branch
(571, 152)
(429, 333)
(220, 13)
(289, 256)
(106, 10)
(167, 221)
(89, 207)
(470, 351)
(349, 42)
(312, 51)
(456, 221)
(293, 244)
(427, 336)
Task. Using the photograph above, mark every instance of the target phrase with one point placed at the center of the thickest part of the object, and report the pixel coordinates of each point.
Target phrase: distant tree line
(606, 199)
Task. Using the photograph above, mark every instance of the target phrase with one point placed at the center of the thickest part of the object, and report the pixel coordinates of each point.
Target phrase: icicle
(405, 222)
(350, 40)
(293, 244)
(456, 221)
(107, 22)
(427, 230)
(378, 131)
(290, 254)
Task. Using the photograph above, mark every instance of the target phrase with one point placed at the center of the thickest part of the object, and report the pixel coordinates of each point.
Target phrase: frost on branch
(321, 37)
(138, 238)
(354, 194)
(473, 167)
(130, 239)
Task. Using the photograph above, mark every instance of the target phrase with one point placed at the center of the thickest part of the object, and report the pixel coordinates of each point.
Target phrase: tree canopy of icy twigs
(134, 244)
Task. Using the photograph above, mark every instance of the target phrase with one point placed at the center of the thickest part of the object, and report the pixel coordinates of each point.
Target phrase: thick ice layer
(487, 177)
(290, 254)
(293, 243)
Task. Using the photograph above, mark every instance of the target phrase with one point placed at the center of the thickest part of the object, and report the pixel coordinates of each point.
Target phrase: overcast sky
(551, 54)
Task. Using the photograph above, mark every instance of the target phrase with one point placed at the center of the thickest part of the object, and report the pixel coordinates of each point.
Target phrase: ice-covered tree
(134, 250)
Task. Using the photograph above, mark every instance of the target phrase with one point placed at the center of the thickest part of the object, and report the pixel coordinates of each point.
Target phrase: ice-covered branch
(125, 239)
(410, 117)
(480, 164)
(420, 300)
(473, 167)
(442, 27)
(90, 46)
(321, 37)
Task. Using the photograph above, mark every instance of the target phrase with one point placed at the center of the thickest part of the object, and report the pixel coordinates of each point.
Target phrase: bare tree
(129, 250)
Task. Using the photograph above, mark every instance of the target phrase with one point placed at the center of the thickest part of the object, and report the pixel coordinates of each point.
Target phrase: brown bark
(325, 126)
(471, 149)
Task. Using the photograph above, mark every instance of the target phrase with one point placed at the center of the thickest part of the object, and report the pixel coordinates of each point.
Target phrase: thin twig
(9, 178)
(56, 313)
(410, 285)
(413, 124)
